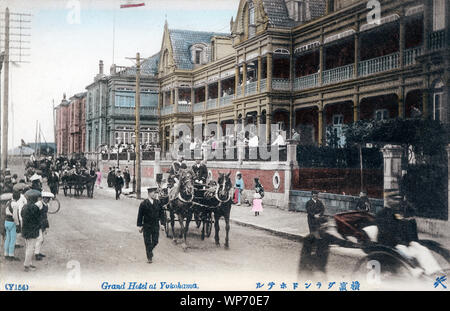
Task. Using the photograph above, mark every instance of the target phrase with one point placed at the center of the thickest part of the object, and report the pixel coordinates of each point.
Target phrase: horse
(181, 204)
(220, 197)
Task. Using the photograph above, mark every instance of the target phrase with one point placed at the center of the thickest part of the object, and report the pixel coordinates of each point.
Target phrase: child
(257, 197)
(239, 187)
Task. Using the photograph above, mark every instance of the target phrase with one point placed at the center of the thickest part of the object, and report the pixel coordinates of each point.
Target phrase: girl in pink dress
(257, 197)
(99, 178)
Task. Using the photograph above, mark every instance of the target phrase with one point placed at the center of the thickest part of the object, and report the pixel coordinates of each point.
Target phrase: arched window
(251, 20)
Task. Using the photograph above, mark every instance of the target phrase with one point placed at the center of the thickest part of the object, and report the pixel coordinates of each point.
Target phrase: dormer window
(198, 54)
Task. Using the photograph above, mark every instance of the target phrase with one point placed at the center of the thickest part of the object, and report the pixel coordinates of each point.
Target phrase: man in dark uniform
(110, 178)
(315, 250)
(118, 184)
(53, 181)
(315, 210)
(200, 171)
(150, 216)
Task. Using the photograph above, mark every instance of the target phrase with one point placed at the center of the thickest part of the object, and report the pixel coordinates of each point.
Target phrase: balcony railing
(379, 64)
(281, 84)
(239, 91)
(250, 88)
(167, 110)
(437, 40)
(226, 100)
(306, 82)
(184, 108)
(410, 55)
(263, 85)
(338, 74)
(198, 107)
(130, 111)
(211, 103)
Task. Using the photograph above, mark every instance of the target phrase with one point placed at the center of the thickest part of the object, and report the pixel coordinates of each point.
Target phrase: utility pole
(16, 43)
(137, 109)
(137, 128)
(4, 156)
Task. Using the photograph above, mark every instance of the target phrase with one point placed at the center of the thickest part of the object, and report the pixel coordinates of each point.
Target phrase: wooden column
(258, 85)
(320, 126)
(236, 80)
(244, 78)
(269, 72)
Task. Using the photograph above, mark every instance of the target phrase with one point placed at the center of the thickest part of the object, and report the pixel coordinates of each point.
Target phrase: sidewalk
(287, 224)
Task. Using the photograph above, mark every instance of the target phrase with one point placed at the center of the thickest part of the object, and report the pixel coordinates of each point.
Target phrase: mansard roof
(182, 40)
(278, 14)
(149, 66)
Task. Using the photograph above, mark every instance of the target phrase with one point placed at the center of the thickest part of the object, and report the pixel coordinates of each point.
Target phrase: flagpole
(114, 31)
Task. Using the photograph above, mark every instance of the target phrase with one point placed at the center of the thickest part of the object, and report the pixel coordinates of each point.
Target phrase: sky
(69, 37)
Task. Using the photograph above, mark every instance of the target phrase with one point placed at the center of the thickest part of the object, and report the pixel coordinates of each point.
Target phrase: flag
(131, 4)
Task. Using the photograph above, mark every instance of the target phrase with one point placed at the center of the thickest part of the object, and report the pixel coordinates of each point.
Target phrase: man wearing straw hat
(150, 216)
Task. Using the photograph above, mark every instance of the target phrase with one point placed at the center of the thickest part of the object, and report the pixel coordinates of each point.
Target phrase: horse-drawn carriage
(203, 203)
(78, 181)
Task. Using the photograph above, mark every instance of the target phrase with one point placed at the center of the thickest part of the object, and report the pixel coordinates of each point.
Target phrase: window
(198, 56)
(251, 20)
(381, 114)
(439, 14)
(437, 104)
(338, 120)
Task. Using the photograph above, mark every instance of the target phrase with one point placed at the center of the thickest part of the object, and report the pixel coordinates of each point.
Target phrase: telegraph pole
(16, 43)
(4, 156)
(137, 109)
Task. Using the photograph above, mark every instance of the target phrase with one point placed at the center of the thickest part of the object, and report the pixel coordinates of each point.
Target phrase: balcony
(184, 108)
(379, 64)
(167, 110)
(263, 85)
(130, 111)
(250, 88)
(239, 91)
(211, 104)
(226, 100)
(281, 84)
(337, 74)
(437, 40)
(306, 82)
(409, 56)
(198, 107)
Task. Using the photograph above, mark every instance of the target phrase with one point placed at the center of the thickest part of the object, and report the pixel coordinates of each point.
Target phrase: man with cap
(36, 183)
(315, 210)
(118, 184)
(31, 217)
(200, 171)
(150, 216)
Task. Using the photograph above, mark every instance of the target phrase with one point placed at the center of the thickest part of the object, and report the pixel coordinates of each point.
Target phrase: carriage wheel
(382, 267)
(208, 225)
(53, 206)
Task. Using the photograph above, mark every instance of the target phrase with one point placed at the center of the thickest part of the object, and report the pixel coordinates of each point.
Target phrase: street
(100, 235)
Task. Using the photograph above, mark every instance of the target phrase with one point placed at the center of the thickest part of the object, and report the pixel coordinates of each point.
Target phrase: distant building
(110, 113)
(62, 127)
(77, 123)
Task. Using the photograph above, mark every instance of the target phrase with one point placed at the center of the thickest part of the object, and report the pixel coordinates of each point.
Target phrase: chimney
(100, 65)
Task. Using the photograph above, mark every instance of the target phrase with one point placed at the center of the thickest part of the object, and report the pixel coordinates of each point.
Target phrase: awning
(414, 10)
(339, 36)
(384, 20)
(307, 47)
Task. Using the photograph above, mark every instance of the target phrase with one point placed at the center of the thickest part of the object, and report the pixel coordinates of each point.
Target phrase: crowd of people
(124, 147)
(23, 221)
